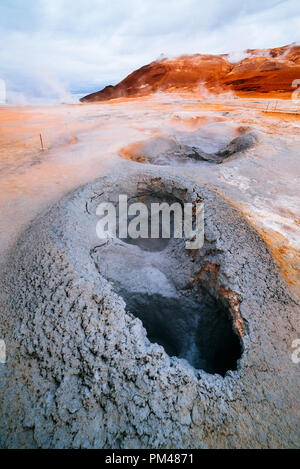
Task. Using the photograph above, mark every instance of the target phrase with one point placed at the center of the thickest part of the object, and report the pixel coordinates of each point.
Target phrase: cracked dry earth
(131, 345)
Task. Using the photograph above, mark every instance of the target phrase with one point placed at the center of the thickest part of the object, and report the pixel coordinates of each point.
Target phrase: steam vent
(121, 344)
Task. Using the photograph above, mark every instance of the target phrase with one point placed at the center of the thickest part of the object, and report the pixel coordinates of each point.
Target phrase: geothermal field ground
(121, 344)
(85, 142)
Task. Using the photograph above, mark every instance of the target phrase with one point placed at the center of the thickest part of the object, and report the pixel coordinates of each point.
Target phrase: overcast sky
(50, 46)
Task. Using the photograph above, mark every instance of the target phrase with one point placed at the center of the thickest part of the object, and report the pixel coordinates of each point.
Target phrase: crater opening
(159, 280)
(190, 147)
(198, 330)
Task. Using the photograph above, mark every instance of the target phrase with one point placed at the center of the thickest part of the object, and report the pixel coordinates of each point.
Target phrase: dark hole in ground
(199, 330)
(189, 324)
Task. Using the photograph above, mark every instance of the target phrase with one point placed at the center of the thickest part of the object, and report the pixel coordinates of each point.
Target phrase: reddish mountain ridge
(262, 71)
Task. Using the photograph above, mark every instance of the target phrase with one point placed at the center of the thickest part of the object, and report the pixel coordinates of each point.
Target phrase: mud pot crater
(155, 279)
(213, 144)
(115, 344)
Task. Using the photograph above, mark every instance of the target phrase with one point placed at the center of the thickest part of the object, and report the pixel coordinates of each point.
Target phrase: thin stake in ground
(41, 139)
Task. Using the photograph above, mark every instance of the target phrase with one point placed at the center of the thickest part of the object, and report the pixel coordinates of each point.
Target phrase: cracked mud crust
(81, 372)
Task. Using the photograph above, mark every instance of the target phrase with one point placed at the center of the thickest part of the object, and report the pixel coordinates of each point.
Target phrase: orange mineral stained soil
(83, 142)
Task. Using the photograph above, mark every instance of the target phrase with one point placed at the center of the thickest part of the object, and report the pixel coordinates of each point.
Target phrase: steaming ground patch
(213, 143)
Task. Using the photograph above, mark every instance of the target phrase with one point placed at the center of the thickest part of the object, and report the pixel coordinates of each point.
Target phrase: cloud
(87, 44)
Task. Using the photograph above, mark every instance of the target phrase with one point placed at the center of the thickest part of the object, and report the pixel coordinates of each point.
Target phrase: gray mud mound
(190, 147)
(122, 344)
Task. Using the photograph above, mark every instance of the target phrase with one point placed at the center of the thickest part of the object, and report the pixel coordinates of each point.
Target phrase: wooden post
(42, 142)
